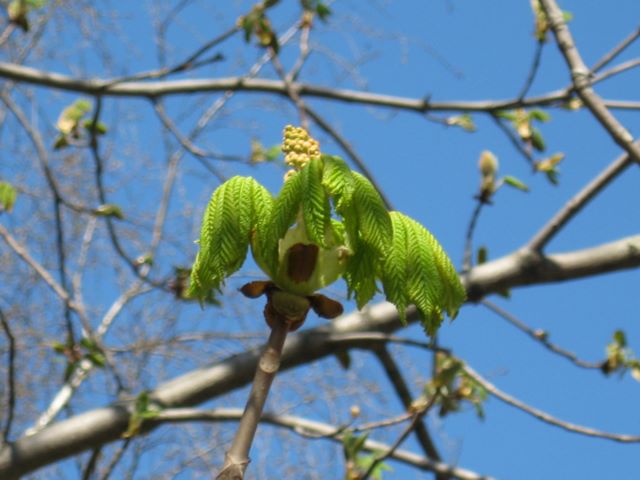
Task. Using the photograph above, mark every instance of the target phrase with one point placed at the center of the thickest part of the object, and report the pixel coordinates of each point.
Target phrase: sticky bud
(488, 164)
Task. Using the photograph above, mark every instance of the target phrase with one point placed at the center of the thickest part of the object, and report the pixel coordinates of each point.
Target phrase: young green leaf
(273, 227)
(515, 183)
(374, 223)
(8, 196)
(539, 115)
(109, 210)
(70, 117)
(339, 182)
(395, 268)
(537, 141)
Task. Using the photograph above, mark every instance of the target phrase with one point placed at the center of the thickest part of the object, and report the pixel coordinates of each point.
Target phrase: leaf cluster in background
(86, 349)
(18, 11)
(523, 123)
(143, 409)
(74, 127)
(357, 463)
(620, 358)
(452, 387)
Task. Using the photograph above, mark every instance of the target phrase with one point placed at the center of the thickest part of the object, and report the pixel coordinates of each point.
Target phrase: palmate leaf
(230, 218)
(418, 271)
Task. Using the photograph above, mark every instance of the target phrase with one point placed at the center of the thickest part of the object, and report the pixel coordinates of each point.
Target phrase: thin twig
(37, 267)
(545, 417)
(416, 420)
(541, 337)
(90, 468)
(535, 65)
(623, 67)
(116, 459)
(467, 262)
(292, 76)
(188, 64)
(291, 91)
(186, 142)
(617, 50)
(84, 367)
(6, 33)
(11, 379)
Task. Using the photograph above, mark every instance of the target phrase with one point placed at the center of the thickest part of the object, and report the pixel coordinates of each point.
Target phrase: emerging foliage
(298, 242)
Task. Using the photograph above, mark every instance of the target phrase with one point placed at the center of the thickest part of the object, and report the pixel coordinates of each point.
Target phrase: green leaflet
(418, 271)
(316, 210)
(283, 214)
(338, 180)
(361, 273)
(374, 223)
(231, 216)
(394, 270)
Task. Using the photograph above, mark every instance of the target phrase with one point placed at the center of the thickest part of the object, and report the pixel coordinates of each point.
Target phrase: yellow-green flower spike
(299, 148)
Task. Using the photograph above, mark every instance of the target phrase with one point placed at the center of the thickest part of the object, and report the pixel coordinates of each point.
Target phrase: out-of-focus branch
(535, 65)
(37, 267)
(315, 430)
(617, 50)
(404, 394)
(11, 379)
(467, 260)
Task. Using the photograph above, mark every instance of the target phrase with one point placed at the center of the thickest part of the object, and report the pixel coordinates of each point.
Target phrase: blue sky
(445, 50)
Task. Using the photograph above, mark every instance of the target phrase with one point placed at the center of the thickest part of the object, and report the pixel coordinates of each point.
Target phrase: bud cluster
(299, 147)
